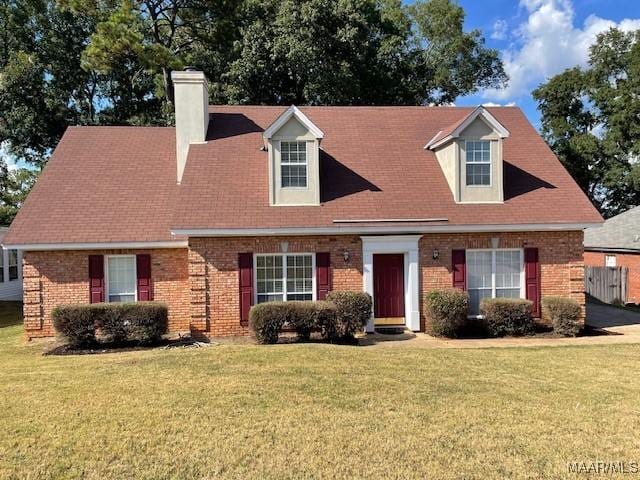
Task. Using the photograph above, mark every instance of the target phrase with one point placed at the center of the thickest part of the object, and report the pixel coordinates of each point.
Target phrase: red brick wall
(560, 256)
(202, 290)
(61, 277)
(629, 260)
(213, 267)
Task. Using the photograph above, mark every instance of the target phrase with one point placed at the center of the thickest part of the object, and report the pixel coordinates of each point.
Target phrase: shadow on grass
(10, 314)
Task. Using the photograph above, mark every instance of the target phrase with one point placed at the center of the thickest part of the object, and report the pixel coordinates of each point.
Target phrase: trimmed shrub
(302, 318)
(507, 316)
(564, 315)
(447, 310)
(75, 324)
(353, 311)
(327, 320)
(116, 323)
(267, 319)
(143, 323)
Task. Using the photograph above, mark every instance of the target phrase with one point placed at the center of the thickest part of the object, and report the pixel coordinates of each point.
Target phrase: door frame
(401, 244)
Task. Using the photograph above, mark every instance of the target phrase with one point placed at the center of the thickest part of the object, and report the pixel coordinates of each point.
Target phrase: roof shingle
(117, 184)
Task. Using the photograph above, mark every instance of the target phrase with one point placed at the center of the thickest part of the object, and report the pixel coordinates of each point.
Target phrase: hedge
(353, 311)
(111, 323)
(507, 316)
(75, 324)
(447, 310)
(268, 319)
(564, 314)
(338, 318)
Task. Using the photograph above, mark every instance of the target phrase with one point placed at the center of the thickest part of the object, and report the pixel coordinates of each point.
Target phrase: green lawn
(314, 411)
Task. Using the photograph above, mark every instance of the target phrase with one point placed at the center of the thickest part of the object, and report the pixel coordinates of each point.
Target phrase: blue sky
(540, 38)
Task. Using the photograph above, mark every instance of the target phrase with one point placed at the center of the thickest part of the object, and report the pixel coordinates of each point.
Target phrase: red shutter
(245, 266)
(459, 269)
(532, 278)
(143, 271)
(96, 278)
(323, 275)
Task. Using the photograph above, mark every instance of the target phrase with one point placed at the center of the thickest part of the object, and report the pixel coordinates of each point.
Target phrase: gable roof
(621, 232)
(292, 111)
(455, 130)
(102, 185)
(117, 184)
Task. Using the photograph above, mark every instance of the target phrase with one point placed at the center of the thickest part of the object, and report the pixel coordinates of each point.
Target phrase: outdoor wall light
(436, 253)
(345, 255)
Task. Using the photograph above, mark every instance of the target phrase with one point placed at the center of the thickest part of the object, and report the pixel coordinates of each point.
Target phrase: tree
(357, 52)
(14, 188)
(590, 118)
(101, 62)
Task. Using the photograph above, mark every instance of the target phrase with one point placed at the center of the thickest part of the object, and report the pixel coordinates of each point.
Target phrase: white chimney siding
(191, 100)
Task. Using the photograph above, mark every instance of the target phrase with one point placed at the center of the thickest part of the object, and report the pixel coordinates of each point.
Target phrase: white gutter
(98, 246)
(382, 229)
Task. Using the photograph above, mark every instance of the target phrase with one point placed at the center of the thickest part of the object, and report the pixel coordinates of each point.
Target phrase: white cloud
(548, 43)
(493, 104)
(499, 30)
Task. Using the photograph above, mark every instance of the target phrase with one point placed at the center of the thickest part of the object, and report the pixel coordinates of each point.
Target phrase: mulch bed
(184, 342)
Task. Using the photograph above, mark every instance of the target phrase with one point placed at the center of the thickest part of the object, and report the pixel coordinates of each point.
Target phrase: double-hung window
(493, 274)
(478, 162)
(284, 277)
(121, 278)
(13, 265)
(1, 265)
(293, 164)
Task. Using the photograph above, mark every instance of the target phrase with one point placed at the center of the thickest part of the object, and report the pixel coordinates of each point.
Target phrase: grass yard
(314, 411)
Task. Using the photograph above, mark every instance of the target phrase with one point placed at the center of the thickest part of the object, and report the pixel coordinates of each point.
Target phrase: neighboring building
(10, 271)
(244, 204)
(617, 244)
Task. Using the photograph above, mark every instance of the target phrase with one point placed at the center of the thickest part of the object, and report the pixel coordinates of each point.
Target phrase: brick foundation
(61, 277)
(629, 260)
(201, 285)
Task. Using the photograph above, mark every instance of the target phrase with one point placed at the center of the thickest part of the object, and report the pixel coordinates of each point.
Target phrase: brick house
(245, 204)
(617, 244)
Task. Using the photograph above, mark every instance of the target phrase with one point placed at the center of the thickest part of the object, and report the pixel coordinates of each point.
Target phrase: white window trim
(106, 276)
(306, 162)
(284, 272)
(523, 290)
(9, 265)
(490, 163)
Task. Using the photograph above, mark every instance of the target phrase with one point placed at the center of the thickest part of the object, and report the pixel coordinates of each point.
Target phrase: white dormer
(470, 155)
(293, 144)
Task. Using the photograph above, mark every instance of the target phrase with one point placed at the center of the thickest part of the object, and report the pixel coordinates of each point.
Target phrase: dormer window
(293, 162)
(478, 163)
(470, 155)
(293, 145)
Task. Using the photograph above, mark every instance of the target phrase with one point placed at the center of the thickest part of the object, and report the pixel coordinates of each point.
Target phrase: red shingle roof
(102, 184)
(373, 166)
(117, 184)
